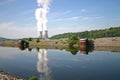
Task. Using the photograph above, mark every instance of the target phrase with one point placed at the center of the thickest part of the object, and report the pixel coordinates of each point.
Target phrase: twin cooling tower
(41, 17)
(43, 34)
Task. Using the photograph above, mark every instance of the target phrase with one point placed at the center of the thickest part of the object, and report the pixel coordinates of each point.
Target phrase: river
(55, 64)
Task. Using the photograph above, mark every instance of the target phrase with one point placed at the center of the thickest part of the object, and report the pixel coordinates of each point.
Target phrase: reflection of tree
(21, 47)
(37, 49)
(73, 50)
(42, 66)
(22, 44)
(30, 49)
(84, 50)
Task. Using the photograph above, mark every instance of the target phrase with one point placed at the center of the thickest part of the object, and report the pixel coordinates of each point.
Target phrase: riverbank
(8, 76)
(102, 44)
(107, 42)
(111, 43)
(49, 44)
(34, 44)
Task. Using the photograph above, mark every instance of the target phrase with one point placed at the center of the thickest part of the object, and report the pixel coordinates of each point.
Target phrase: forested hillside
(111, 32)
(2, 39)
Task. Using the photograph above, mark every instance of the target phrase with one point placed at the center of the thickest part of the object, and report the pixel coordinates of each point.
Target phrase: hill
(3, 39)
(111, 32)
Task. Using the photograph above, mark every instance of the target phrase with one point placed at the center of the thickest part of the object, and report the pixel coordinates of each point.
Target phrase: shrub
(33, 78)
(38, 40)
(1, 71)
(30, 39)
(73, 40)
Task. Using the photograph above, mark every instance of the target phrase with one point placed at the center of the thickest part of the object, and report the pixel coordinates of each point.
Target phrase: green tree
(33, 78)
(1, 71)
(73, 40)
(111, 32)
(30, 39)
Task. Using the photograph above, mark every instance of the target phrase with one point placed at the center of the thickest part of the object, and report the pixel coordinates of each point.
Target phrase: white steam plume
(41, 15)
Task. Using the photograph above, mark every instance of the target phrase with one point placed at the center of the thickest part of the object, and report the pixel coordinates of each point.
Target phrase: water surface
(53, 64)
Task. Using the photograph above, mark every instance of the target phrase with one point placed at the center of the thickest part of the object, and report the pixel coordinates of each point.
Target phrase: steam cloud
(41, 17)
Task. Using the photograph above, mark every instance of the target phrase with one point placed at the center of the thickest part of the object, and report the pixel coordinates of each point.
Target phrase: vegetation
(111, 32)
(37, 40)
(23, 44)
(30, 39)
(33, 78)
(73, 50)
(1, 71)
(73, 40)
(8, 43)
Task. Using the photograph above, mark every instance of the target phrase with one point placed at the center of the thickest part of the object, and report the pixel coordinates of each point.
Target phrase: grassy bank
(39, 44)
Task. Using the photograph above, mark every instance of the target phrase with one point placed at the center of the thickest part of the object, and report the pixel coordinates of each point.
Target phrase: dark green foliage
(30, 39)
(56, 42)
(111, 32)
(73, 50)
(1, 71)
(33, 78)
(37, 40)
(30, 49)
(37, 49)
(23, 44)
(73, 40)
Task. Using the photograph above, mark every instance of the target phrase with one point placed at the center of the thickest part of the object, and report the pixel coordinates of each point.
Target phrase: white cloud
(28, 12)
(83, 10)
(55, 15)
(6, 2)
(66, 12)
(67, 19)
(75, 18)
(9, 30)
(61, 13)
(6, 24)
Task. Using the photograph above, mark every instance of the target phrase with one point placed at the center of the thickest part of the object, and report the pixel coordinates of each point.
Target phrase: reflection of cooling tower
(42, 66)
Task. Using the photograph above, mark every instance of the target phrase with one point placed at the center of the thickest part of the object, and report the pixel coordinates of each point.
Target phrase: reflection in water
(83, 50)
(42, 65)
(86, 49)
(73, 50)
(22, 45)
(30, 49)
(86, 46)
(110, 48)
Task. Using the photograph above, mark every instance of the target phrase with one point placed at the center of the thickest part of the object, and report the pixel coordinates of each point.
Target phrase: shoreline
(8, 76)
(110, 44)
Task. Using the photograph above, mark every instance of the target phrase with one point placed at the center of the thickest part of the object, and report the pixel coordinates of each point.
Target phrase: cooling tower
(41, 17)
(45, 35)
(40, 34)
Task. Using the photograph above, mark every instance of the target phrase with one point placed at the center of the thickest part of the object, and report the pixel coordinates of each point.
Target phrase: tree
(30, 39)
(111, 32)
(73, 40)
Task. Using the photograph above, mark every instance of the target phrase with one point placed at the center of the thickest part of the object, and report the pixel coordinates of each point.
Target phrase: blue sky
(17, 17)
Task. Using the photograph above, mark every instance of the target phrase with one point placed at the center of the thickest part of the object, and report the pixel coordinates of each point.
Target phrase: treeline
(111, 32)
